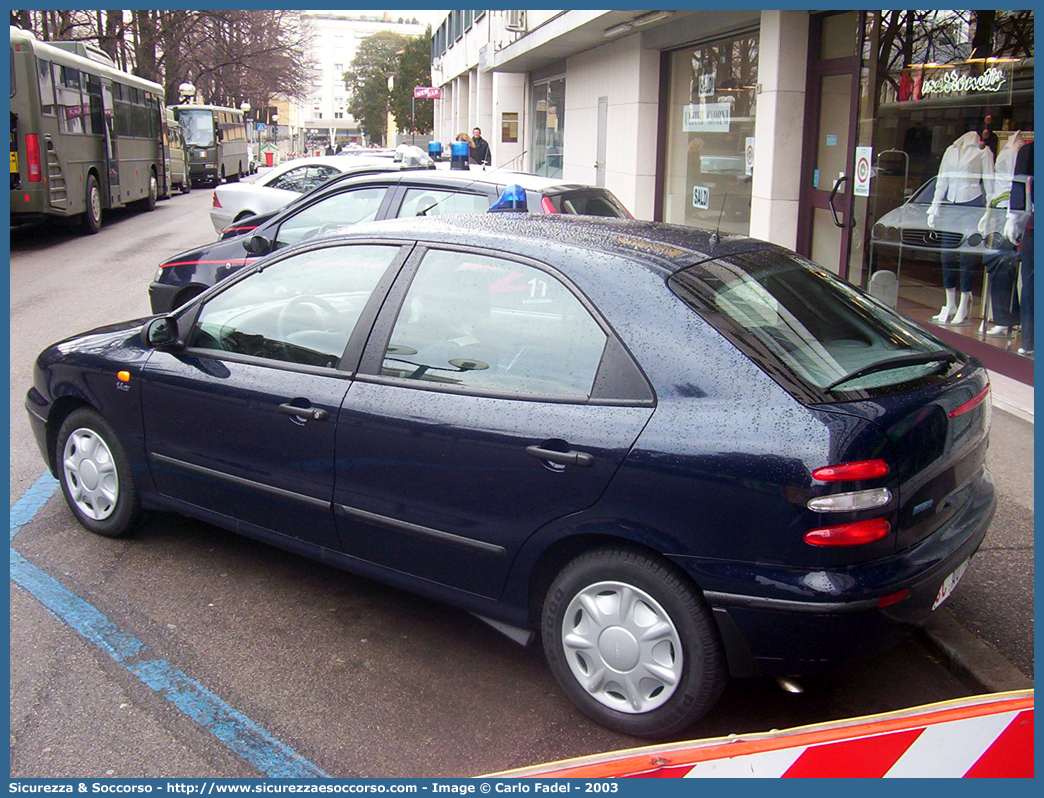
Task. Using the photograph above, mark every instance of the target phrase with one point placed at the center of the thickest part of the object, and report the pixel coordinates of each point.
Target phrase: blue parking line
(234, 729)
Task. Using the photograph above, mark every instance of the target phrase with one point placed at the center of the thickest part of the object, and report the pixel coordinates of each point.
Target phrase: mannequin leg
(1027, 292)
(963, 309)
(949, 308)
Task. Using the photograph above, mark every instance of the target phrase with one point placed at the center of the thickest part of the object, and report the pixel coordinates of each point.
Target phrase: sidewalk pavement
(1013, 396)
(973, 660)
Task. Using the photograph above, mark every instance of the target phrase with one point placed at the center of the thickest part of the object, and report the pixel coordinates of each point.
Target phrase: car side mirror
(161, 332)
(257, 245)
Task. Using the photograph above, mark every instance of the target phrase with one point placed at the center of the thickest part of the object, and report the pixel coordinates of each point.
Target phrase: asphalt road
(348, 676)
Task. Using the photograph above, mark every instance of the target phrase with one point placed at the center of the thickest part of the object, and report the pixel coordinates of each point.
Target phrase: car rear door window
(589, 203)
(437, 202)
(336, 210)
(496, 325)
(303, 178)
(298, 310)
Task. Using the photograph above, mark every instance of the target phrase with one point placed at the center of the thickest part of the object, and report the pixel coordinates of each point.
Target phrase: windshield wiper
(897, 362)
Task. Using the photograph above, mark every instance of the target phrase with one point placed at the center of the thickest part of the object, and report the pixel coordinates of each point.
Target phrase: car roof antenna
(470, 184)
(714, 236)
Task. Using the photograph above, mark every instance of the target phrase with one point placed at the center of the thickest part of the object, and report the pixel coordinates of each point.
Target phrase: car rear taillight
(851, 502)
(548, 205)
(216, 201)
(972, 403)
(855, 534)
(32, 158)
(851, 472)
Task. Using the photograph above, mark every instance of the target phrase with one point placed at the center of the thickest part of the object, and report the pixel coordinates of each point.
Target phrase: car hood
(961, 219)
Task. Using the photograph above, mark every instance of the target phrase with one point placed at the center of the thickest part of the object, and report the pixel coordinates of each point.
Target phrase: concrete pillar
(779, 126)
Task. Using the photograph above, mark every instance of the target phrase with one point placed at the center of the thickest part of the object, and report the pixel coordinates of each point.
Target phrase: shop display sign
(706, 85)
(748, 156)
(961, 80)
(707, 118)
(700, 197)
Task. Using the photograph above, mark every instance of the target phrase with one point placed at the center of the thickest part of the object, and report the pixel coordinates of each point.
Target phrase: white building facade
(334, 36)
(798, 127)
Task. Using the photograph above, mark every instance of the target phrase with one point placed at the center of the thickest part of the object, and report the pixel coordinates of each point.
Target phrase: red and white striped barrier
(979, 737)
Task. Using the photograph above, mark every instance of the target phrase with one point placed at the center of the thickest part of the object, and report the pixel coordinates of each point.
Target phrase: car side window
(436, 202)
(303, 178)
(336, 210)
(494, 325)
(299, 310)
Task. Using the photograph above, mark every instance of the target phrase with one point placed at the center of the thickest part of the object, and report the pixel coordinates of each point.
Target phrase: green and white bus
(215, 142)
(85, 136)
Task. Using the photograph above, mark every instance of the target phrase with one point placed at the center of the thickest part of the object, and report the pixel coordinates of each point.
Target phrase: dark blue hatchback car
(677, 457)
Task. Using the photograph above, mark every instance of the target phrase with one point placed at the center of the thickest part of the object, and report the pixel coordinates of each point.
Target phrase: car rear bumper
(220, 219)
(787, 622)
(162, 296)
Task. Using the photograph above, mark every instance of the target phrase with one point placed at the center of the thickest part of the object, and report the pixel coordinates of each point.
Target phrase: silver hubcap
(622, 647)
(95, 202)
(90, 473)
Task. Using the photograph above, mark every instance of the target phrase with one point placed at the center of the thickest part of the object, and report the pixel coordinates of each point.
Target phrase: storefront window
(947, 103)
(548, 127)
(710, 138)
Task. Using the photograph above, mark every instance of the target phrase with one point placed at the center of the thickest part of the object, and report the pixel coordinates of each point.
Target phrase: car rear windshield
(830, 338)
(589, 203)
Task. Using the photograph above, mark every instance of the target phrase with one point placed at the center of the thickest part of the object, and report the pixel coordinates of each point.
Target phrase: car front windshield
(198, 127)
(785, 311)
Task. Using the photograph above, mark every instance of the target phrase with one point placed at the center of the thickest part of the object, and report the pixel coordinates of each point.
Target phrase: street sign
(427, 93)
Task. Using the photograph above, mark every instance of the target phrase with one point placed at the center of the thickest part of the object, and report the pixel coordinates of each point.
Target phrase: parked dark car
(349, 199)
(678, 456)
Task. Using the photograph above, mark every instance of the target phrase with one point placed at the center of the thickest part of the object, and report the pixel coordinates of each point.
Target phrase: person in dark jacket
(1020, 210)
(479, 148)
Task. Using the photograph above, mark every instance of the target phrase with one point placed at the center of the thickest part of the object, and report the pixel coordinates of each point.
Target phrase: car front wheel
(95, 475)
(630, 641)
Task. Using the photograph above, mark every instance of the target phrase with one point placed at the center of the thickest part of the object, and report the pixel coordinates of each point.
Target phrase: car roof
(462, 178)
(341, 162)
(661, 247)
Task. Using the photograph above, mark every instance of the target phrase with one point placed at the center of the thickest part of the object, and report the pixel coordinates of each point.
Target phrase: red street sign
(427, 93)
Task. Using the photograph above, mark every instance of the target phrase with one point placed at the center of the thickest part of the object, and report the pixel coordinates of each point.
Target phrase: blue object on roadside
(512, 198)
(459, 155)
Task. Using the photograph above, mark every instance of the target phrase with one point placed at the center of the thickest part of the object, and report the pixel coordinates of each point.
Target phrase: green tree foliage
(414, 70)
(367, 81)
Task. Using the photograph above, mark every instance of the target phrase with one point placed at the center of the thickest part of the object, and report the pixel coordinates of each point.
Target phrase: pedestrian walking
(479, 148)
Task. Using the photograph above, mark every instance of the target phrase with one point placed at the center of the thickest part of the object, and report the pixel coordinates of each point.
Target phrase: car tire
(186, 186)
(92, 217)
(595, 627)
(95, 475)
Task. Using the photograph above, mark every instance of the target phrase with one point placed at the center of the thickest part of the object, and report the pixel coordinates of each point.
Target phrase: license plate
(949, 583)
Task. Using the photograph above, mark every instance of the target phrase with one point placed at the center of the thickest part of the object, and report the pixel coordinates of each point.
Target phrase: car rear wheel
(186, 186)
(95, 475)
(630, 641)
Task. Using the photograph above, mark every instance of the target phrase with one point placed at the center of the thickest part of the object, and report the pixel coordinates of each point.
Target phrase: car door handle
(581, 459)
(314, 413)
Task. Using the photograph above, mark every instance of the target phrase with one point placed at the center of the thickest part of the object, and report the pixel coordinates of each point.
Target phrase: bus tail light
(32, 158)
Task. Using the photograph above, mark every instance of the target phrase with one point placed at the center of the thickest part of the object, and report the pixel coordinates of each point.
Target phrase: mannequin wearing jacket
(1020, 220)
(965, 174)
(1003, 298)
